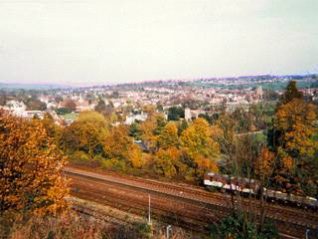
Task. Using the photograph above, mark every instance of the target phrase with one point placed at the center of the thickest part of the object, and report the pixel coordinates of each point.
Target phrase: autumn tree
(135, 156)
(86, 134)
(226, 140)
(247, 149)
(117, 143)
(168, 163)
(151, 128)
(292, 139)
(53, 131)
(295, 145)
(120, 146)
(264, 165)
(200, 147)
(169, 136)
(30, 168)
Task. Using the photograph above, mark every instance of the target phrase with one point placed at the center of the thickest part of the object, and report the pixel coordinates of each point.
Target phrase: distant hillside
(15, 86)
(234, 83)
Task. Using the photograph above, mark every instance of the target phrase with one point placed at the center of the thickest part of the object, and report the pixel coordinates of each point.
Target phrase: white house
(138, 117)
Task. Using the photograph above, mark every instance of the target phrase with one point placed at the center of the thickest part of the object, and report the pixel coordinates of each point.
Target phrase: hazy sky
(112, 41)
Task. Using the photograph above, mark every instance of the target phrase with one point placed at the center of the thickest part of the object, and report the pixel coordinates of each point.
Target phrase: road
(186, 206)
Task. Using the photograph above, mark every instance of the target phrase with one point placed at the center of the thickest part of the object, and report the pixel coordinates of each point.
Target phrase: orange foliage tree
(296, 123)
(30, 168)
(264, 164)
(294, 143)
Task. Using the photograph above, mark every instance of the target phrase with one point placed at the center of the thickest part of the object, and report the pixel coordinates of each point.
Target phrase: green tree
(175, 113)
(291, 93)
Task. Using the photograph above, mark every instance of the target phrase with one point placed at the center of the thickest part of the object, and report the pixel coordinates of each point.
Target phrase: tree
(238, 226)
(53, 131)
(175, 113)
(30, 168)
(295, 144)
(169, 136)
(167, 162)
(118, 143)
(264, 164)
(135, 156)
(101, 106)
(200, 147)
(226, 140)
(120, 148)
(292, 140)
(3, 98)
(134, 130)
(247, 149)
(69, 104)
(86, 134)
(35, 104)
(296, 122)
(151, 129)
(244, 121)
(291, 93)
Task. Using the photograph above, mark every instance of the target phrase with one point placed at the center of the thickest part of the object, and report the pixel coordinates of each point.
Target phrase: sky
(81, 42)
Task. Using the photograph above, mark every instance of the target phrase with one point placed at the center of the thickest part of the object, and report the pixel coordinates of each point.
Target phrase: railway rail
(191, 207)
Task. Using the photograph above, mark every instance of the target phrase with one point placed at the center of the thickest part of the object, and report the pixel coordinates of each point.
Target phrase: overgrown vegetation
(241, 226)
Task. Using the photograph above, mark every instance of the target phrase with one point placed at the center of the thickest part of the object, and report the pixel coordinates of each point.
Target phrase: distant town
(127, 101)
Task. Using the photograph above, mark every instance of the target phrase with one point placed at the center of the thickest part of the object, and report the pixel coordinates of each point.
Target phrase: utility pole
(149, 219)
(307, 233)
(168, 230)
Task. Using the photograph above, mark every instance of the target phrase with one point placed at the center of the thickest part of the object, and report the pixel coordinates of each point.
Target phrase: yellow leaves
(117, 143)
(148, 130)
(197, 139)
(135, 156)
(264, 164)
(31, 166)
(295, 120)
(205, 164)
(169, 136)
(167, 161)
(287, 163)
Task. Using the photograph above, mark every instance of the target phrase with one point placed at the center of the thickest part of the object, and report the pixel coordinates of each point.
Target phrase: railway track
(192, 207)
(171, 212)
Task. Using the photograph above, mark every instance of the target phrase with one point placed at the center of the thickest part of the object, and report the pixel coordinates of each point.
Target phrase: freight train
(245, 186)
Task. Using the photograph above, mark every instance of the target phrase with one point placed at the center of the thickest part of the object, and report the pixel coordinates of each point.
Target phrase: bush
(239, 226)
(80, 157)
(63, 111)
(114, 164)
